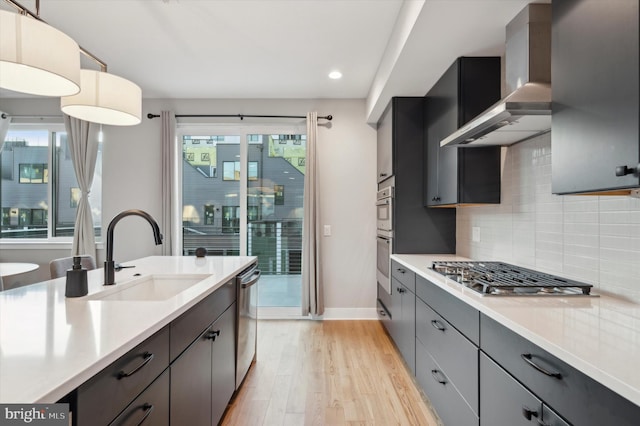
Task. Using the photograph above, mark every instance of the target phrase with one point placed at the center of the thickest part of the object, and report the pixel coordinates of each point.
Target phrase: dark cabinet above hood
(526, 111)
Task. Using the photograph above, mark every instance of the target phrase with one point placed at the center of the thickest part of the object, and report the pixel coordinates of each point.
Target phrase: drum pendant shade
(36, 58)
(105, 99)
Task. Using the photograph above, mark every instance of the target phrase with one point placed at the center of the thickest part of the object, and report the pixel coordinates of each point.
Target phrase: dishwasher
(247, 320)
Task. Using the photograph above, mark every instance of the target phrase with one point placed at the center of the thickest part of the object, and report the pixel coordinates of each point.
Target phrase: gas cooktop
(503, 279)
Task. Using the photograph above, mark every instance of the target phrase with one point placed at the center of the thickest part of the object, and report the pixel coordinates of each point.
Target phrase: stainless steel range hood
(526, 111)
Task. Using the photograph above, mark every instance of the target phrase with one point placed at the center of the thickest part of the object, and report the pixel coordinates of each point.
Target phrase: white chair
(59, 267)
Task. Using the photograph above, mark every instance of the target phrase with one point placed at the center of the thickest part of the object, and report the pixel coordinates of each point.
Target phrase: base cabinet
(572, 394)
(191, 384)
(441, 391)
(223, 363)
(475, 371)
(504, 401)
(203, 377)
(182, 375)
(402, 327)
(151, 408)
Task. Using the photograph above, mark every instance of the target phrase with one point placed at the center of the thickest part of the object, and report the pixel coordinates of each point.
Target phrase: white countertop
(599, 336)
(50, 344)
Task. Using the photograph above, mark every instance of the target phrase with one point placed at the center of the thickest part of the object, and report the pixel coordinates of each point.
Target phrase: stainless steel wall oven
(384, 209)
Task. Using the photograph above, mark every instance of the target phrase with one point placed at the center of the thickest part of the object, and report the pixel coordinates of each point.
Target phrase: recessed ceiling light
(335, 75)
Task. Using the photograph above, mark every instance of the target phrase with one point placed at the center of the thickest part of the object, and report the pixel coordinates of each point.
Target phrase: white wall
(595, 239)
(347, 155)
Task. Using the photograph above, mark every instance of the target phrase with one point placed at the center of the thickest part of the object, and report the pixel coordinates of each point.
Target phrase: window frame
(53, 127)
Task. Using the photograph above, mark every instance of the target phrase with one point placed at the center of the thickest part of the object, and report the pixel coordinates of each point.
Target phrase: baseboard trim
(268, 313)
(350, 314)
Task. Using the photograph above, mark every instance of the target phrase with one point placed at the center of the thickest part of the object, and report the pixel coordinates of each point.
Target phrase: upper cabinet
(461, 176)
(416, 229)
(594, 133)
(385, 145)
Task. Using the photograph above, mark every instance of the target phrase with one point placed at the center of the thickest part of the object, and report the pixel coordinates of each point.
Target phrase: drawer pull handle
(528, 413)
(213, 335)
(439, 377)
(147, 359)
(402, 271)
(149, 409)
(527, 359)
(438, 325)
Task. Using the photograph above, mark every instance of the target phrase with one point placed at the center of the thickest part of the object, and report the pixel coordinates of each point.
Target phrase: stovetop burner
(503, 279)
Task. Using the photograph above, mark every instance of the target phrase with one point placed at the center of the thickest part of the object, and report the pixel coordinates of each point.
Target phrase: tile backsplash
(595, 239)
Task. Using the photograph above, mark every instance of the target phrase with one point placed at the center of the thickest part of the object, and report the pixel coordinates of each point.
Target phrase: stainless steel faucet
(109, 264)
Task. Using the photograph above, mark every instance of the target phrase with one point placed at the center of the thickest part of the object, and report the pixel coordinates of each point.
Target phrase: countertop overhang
(50, 344)
(599, 336)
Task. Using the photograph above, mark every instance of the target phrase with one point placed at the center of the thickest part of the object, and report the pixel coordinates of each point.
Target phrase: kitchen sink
(153, 287)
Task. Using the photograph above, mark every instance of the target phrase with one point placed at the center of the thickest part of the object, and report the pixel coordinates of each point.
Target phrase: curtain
(168, 179)
(312, 287)
(84, 151)
(4, 128)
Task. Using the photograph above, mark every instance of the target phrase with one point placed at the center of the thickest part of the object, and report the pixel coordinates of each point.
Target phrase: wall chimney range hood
(526, 111)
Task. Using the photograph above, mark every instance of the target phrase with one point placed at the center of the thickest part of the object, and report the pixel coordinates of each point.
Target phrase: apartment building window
(38, 184)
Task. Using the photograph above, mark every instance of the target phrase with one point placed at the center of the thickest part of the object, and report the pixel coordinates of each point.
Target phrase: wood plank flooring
(327, 373)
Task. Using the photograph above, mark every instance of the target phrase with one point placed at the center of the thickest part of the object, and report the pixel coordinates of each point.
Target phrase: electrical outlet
(327, 230)
(475, 234)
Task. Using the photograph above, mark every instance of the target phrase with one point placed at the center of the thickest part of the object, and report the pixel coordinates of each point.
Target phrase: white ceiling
(281, 48)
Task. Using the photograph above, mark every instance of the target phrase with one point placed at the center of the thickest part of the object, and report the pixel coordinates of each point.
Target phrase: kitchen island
(590, 340)
(50, 344)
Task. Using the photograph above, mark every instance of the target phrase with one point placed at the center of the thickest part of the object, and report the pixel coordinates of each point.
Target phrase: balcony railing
(277, 244)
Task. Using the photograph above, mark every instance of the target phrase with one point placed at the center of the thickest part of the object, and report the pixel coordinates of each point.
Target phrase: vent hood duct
(526, 111)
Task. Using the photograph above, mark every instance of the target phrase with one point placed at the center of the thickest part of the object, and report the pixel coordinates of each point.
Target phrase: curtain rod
(240, 116)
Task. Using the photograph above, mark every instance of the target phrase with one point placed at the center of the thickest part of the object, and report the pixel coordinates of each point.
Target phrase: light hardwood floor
(327, 373)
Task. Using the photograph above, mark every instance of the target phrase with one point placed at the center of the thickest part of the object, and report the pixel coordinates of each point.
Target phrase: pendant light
(106, 99)
(36, 58)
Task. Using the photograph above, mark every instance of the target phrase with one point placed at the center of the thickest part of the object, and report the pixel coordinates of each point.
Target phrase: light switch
(327, 230)
(476, 234)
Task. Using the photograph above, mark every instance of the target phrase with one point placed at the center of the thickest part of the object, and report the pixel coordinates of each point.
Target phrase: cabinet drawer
(101, 398)
(151, 407)
(448, 403)
(192, 323)
(457, 356)
(504, 401)
(462, 316)
(575, 396)
(405, 275)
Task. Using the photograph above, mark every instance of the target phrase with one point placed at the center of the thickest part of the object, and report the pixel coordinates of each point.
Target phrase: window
(39, 192)
(34, 173)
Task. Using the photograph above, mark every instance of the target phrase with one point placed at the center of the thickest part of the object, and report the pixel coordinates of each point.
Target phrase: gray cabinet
(100, 399)
(446, 357)
(595, 126)
(203, 375)
(573, 395)
(191, 396)
(385, 145)
(402, 327)
(183, 374)
(503, 400)
(223, 359)
(151, 408)
(441, 391)
(416, 229)
(455, 175)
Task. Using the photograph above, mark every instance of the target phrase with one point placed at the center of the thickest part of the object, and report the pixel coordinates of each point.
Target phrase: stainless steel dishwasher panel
(247, 316)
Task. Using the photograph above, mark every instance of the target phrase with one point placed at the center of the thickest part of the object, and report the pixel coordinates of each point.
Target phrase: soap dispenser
(76, 279)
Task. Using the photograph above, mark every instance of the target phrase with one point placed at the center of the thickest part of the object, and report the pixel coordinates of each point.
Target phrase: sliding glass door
(242, 192)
